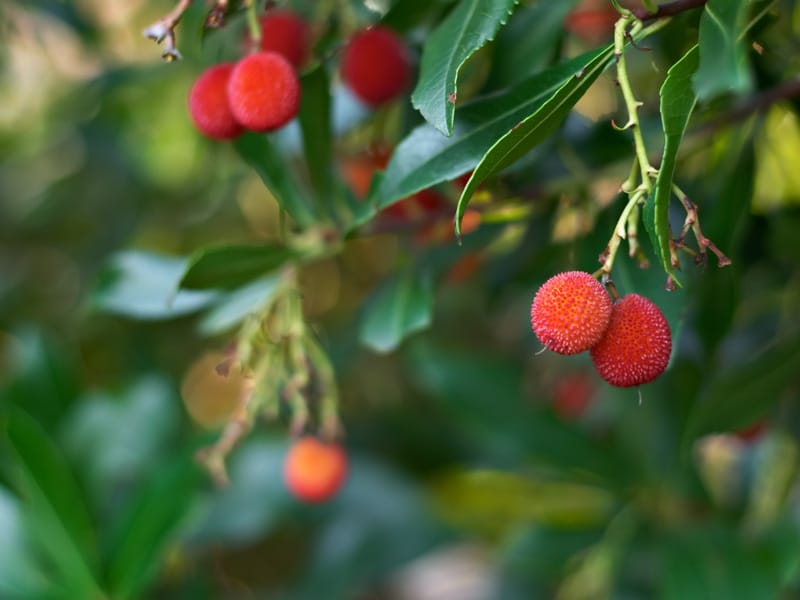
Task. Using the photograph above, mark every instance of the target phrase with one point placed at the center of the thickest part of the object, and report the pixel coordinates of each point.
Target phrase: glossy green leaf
(315, 125)
(151, 523)
(59, 522)
(237, 305)
(276, 173)
(746, 393)
(232, 266)
(529, 41)
(723, 51)
(677, 103)
(426, 157)
(400, 307)
(532, 129)
(466, 29)
(144, 285)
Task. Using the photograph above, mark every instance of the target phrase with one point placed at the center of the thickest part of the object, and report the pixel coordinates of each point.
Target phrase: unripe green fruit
(213, 388)
(570, 312)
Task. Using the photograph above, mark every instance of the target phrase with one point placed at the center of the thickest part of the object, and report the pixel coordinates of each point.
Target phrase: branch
(788, 90)
(163, 30)
(667, 10)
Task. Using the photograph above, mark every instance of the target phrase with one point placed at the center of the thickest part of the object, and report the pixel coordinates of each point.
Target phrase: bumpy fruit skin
(286, 33)
(375, 65)
(570, 312)
(263, 91)
(314, 470)
(637, 344)
(208, 104)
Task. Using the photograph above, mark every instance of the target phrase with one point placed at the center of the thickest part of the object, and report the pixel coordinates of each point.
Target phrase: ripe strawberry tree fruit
(286, 33)
(637, 344)
(314, 470)
(209, 107)
(376, 65)
(264, 91)
(570, 312)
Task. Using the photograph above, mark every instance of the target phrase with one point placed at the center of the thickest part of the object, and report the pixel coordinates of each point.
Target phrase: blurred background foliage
(479, 469)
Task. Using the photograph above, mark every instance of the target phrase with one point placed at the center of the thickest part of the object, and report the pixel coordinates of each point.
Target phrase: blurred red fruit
(314, 470)
(752, 433)
(637, 344)
(570, 312)
(208, 104)
(263, 91)
(358, 171)
(592, 21)
(286, 33)
(375, 65)
(572, 395)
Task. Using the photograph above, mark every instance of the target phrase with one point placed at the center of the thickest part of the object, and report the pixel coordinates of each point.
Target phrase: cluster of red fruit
(629, 340)
(261, 92)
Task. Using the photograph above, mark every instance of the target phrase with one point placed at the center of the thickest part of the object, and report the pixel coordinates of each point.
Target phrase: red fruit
(572, 395)
(752, 433)
(570, 312)
(286, 33)
(375, 65)
(314, 470)
(208, 104)
(592, 21)
(637, 344)
(263, 91)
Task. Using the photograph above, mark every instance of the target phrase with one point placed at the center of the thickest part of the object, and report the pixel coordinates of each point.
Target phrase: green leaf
(119, 438)
(400, 307)
(21, 575)
(315, 125)
(426, 157)
(151, 523)
(232, 266)
(712, 561)
(723, 52)
(144, 285)
(39, 375)
(535, 127)
(466, 29)
(529, 42)
(59, 522)
(234, 307)
(677, 103)
(258, 152)
(746, 393)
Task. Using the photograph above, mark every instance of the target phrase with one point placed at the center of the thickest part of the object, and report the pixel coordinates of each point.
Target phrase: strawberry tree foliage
(367, 270)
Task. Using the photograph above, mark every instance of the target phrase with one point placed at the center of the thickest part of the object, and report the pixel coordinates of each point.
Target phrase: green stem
(619, 234)
(632, 104)
(253, 25)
